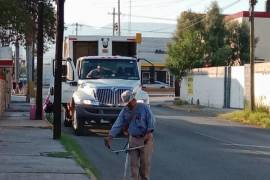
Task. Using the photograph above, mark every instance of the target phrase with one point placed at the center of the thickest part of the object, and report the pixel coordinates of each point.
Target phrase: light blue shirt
(139, 121)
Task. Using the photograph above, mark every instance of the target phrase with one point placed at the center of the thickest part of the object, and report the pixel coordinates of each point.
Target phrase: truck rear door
(84, 48)
(124, 48)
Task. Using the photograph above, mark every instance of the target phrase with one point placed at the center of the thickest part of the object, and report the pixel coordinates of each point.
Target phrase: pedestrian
(14, 86)
(139, 121)
(20, 87)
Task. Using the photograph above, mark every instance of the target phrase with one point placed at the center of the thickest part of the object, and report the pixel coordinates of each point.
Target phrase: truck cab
(91, 92)
(96, 71)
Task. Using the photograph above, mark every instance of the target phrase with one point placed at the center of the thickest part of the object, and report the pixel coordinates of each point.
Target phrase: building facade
(154, 51)
(262, 33)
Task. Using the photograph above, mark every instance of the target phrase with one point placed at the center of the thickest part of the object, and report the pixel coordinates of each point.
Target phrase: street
(190, 146)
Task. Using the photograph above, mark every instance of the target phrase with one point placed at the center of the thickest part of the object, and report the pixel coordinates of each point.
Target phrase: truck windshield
(109, 69)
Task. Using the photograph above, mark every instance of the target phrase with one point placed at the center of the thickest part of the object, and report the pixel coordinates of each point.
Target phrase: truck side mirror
(73, 83)
(64, 73)
(51, 91)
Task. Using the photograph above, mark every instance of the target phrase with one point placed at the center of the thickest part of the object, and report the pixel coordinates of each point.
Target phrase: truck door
(69, 80)
(84, 48)
(124, 48)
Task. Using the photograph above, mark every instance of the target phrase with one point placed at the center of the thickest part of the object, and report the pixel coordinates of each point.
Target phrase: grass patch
(75, 150)
(260, 117)
(180, 102)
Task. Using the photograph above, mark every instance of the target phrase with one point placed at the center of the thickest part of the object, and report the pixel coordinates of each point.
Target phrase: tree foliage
(214, 36)
(18, 21)
(238, 39)
(203, 40)
(185, 51)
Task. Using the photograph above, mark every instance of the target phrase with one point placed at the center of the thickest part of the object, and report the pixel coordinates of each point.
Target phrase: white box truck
(91, 90)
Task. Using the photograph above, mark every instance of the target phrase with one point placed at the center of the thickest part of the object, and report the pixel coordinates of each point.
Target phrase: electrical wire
(200, 19)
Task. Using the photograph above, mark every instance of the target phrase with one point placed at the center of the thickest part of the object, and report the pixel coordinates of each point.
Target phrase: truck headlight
(90, 102)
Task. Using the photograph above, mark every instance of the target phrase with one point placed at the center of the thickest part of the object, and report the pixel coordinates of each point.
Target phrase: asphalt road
(190, 146)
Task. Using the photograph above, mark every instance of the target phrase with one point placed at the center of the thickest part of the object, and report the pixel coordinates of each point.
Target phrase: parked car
(157, 84)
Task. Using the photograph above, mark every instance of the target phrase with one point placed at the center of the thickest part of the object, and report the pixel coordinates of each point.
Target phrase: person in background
(20, 87)
(139, 121)
(14, 86)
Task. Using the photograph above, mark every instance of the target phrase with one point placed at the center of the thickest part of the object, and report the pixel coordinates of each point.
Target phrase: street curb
(174, 107)
(92, 176)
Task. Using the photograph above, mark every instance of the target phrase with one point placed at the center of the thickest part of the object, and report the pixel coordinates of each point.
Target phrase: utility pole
(58, 70)
(40, 42)
(251, 14)
(129, 24)
(76, 29)
(113, 21)
(119, 23)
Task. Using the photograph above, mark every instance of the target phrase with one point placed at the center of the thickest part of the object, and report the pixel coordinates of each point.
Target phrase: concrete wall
(262, 83)
(237, 87)
(208, 86)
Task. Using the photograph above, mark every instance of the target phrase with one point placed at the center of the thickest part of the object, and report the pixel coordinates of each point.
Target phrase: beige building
(6, 69)
(262, 32)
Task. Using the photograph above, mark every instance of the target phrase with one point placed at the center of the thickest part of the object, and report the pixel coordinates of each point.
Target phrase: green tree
(183, 55)
(238, 38)
(18, 21)
(214, 36)
(185, 51)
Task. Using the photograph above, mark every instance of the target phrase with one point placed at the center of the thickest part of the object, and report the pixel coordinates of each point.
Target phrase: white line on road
(213, 138)
(247, 145)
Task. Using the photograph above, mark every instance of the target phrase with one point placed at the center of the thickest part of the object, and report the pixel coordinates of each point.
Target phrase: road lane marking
(223, 141)
(247, 145)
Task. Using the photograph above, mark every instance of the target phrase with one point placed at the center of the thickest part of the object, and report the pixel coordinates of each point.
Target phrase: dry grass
(260, 117)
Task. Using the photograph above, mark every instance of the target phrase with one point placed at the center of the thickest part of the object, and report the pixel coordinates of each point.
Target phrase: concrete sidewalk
(25, 146)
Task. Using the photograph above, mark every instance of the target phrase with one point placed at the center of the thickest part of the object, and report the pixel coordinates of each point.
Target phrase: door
(69, 81)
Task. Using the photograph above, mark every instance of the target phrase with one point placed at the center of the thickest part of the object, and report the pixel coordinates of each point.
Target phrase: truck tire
(77, 124)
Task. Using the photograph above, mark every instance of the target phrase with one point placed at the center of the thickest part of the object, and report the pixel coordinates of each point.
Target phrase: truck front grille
(110, 96)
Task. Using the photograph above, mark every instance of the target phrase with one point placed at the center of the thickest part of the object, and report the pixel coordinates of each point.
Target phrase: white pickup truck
(91, 92)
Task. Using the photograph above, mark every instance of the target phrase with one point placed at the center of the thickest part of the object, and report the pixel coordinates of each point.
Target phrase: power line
(200, 19)
(158, 4)
(149, 17)
(133, 30)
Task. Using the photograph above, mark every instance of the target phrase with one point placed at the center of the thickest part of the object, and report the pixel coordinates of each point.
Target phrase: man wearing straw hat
(139, 121)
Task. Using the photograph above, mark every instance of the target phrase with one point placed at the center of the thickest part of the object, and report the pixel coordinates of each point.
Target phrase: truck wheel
(67, 122)
(78, 125)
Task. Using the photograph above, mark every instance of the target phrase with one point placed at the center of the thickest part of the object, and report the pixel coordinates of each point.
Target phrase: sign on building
(190, 85)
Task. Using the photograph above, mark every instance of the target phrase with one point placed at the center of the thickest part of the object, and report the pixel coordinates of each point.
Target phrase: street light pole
(58, 70)
(251, 14)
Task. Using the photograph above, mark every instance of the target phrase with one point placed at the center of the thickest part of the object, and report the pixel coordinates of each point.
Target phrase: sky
(96, 12)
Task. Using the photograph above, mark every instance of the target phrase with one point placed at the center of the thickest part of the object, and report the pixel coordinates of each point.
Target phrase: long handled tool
(126, 149)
